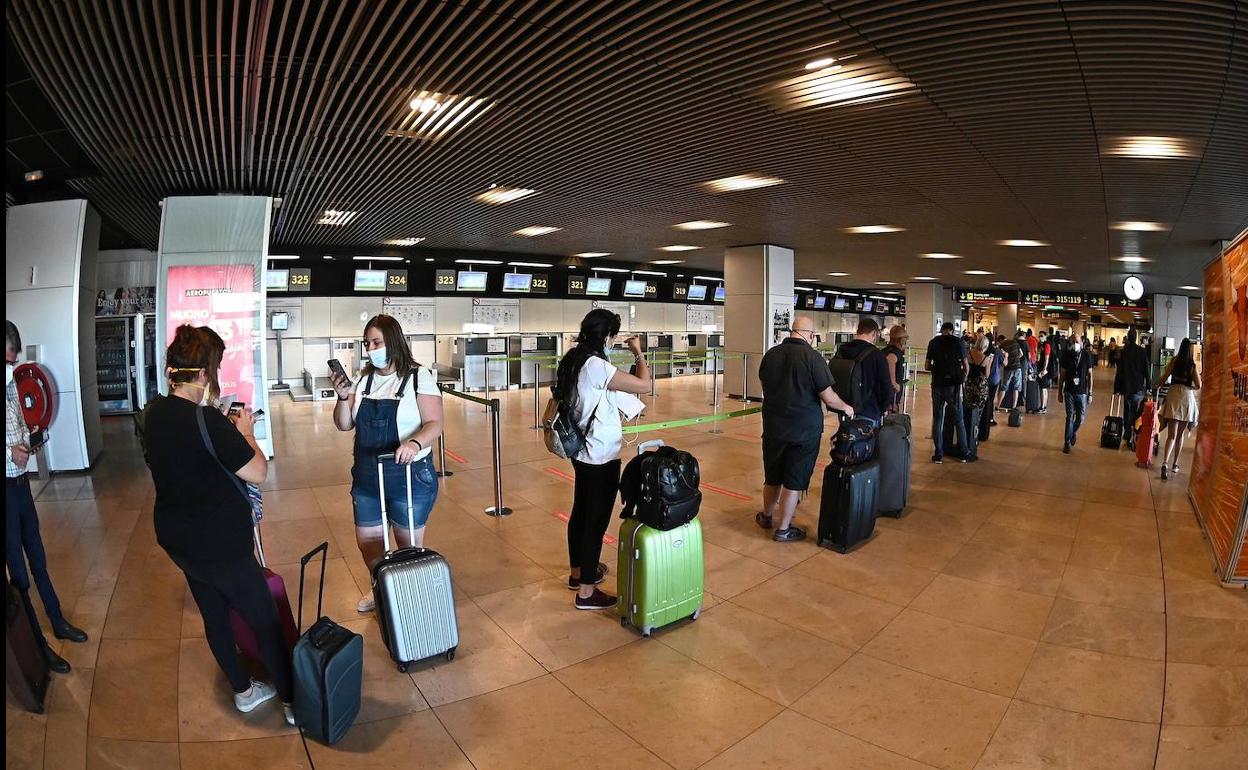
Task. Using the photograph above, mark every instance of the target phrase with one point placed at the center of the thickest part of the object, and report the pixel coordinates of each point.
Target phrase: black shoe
(790, 535)
(597, 601)
(575, 583)
(1074, 439)
(971, 459)
(1066, 448)
(937, 459)
(762, 520)
(991, 422)
(64, 630)
(57, 663)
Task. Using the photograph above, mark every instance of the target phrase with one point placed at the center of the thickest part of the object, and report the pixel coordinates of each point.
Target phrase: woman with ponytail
(586, 384)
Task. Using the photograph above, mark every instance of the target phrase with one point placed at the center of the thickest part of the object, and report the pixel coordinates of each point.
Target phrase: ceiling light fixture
(403, 241)
(940, 255)
(1190, 288)
(885, 283)
(433, 115)
(498, 195)
(592, 254)
(819, 64)
(1045, 266)
(1022, 242)
(530, 264)
(873, 229)
(679, 247)
(428, 259)
(536, 230)
(838, 275)
(282, 257)
(1060, 280)
(707, 278)
(336, 217)
(609, 270)
(478, 262)
(33, 176)
(741, 182)
(1132, 259)
(1140, 227)
(854, 81)
(666, 261)
(1151, 147)
(923, 278)
(650, 272)
(328, 256)
(1002, 283)
(377, 259)
(977, 272)
(702, 224)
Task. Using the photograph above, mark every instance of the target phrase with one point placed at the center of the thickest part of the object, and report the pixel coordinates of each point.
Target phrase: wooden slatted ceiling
(615, 111)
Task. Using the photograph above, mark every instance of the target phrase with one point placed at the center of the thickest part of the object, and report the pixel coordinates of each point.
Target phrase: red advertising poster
(223, 297)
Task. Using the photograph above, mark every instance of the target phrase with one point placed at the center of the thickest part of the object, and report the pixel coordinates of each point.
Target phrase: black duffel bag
(854, 442)
(660, 488)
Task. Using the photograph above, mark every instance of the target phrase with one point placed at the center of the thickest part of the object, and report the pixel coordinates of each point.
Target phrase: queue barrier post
(498, 509)
(714, 377)
(442, 471)
(653, 358)
(745, 378)
(537, 395)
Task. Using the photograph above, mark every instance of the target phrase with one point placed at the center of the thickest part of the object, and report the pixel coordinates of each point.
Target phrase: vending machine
(114, 363)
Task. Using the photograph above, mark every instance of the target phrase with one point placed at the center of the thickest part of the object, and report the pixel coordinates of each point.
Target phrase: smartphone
(335, 366)
(37, 439)
(236, 408)
(257, 415)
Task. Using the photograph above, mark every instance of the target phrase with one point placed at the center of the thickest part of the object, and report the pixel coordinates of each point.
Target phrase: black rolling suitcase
(894, 453)
(1032, 398)
(328, 669)
(25, 661)
(847, 507)
(1112, 426)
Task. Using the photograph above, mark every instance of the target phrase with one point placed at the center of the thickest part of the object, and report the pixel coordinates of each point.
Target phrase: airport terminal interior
(734, 180)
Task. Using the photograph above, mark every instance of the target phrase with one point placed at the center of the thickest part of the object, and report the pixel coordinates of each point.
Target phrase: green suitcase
(659, 574)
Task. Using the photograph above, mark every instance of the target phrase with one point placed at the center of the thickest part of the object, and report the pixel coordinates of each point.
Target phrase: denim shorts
(366, 503)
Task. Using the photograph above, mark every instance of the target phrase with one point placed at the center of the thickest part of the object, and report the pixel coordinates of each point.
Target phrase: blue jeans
(1132, 406)
(1076, 410)
(366, 501)
(23, 545)
(947, 396)
(1013, 381)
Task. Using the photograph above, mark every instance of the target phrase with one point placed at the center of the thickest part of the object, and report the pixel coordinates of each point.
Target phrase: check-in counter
(481, 360)
(532, 346)
(708, 343)
(659, 349)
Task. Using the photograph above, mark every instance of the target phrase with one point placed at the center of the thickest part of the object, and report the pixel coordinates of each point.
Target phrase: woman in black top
(203, 519)
(1181, 408)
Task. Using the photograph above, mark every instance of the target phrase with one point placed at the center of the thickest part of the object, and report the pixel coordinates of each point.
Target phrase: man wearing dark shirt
(946, 360)
(877, 385)
(796, 387)
(1075, 389)
(1131, 382)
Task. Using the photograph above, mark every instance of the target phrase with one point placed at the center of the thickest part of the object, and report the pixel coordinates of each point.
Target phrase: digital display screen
(634, 288)
(370, 280)
(279, 322)
(697, 291)
(821, 302)
(276, 280)
(839, 303)
(518, 282)
(719, 294)
(470, 280)
(598, 287)
(868, 306)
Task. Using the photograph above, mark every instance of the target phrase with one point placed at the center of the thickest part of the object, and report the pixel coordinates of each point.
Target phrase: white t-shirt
(602, 439)
(424, 382)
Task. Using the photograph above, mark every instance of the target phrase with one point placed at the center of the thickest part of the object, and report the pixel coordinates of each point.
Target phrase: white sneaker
(259, 693)
(288, 711)
(366, 604)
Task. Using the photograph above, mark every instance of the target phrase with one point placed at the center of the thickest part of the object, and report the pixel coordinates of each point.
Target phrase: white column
(1007, 319)
(50, 266)
(1170, 319)
(925, 311)
(758, 310)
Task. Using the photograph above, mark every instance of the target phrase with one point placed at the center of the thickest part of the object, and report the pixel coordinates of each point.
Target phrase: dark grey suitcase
(328, 669)
(412, 590)
(847, 507)
(25, 658)
(1032, 399)
(894, 448)
(1016, 418)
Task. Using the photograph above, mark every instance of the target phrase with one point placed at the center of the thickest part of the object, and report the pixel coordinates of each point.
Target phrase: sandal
(763, 520)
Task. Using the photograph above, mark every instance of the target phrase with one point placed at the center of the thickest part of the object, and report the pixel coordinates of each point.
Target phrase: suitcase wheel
(646, 631)
(696, 613)
(450, 654)
(402, 668)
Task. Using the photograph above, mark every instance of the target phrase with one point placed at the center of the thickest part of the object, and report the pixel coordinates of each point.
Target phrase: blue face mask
(378, 358)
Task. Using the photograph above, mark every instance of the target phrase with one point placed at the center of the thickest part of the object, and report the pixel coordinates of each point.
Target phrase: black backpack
(660, 488)
(847, 377)
(975, 394)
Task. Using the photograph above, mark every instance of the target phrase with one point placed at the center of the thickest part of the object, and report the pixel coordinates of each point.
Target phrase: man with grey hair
(797, 385)
(22, 541)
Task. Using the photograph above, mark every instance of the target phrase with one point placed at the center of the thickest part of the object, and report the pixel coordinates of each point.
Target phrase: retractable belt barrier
(498, 509)
(687, 421)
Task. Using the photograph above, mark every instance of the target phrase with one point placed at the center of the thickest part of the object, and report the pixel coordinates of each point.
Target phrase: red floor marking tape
(607, 539)
(726, 492)
(455, 457)
(559, 473)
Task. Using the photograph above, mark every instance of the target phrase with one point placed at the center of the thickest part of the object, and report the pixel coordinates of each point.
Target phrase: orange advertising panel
(1219, 481)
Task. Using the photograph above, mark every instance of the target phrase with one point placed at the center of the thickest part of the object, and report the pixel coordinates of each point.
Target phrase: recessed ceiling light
(838, 275)
(708, 278)
(592, 254)
(609, 270)
(741, 182)
(940, 255)
(376, 259)
(1132, 259)
(478, 262)
(328, 256)
(923, 278)
(536, 230)
(336, 217)
(283, 256)
(861, 80)
(1045, 266)
(498, 194)
(678, 247)
(885, 283)
(1060, 280)
(33, 176)
(403, 241)
(1190, 288)
(649, 272)
(808, 280)
(434, 115)
(1022, 242)
(530, 264)
(1002, 283)
(1140, 227)
(1151, 147)
(977, 272)
(701, 224)
(428, 259)
(819, 64)
(873, 229)
(666, 261)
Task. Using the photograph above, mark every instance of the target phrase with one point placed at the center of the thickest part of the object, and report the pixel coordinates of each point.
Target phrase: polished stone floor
(1033, 610)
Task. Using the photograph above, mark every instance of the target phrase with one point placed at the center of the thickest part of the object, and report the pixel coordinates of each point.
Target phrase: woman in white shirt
(395, 407)
(586, 383)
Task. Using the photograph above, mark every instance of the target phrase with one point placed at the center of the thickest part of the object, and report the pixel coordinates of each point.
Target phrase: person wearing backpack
(1015, 371)
(585, 386)
(870, 386)
(946, 360)
(975, 395)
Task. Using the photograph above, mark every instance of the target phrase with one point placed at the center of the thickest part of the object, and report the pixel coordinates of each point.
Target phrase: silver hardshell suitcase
(412, 590)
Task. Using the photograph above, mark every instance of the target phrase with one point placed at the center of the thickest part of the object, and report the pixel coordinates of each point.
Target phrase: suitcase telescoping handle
(255, 536)
(381, 493)
(651, 444)
(323, 550)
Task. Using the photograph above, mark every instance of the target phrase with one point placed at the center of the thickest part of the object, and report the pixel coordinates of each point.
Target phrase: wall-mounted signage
(300, 279)
(396, 281)
(576, 285)
(680, 292)
(1104, 301)
(982, 297)
(444, 280)
(1053, 298)
(652, 290)
(540, 284)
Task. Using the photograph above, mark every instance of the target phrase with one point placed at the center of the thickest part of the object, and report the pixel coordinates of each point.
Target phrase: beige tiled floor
(1033, 610)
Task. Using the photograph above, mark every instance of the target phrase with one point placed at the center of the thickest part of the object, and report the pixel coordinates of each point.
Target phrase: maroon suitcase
(244, 636)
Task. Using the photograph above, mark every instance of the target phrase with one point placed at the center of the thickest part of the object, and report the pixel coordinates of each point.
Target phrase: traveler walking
(593, 391)
(1075, 388)
(895, 353)
(1131, 381)
(394, 408)
(797, 385)
(1181, 409)
(946, 360)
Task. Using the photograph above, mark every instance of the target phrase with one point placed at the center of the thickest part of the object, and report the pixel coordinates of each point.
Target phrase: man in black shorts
(796, 386)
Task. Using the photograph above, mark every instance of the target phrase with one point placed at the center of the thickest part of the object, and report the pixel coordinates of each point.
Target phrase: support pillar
(1007, 319)
(1170, 319)
(758, 310)
(925, 311)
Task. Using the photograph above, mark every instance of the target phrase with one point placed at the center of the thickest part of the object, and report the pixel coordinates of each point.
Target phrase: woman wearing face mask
(203, 520)
(586, 383)
(395, 407)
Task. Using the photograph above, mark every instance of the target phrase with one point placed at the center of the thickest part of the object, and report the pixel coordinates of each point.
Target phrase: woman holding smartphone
(395, 407)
